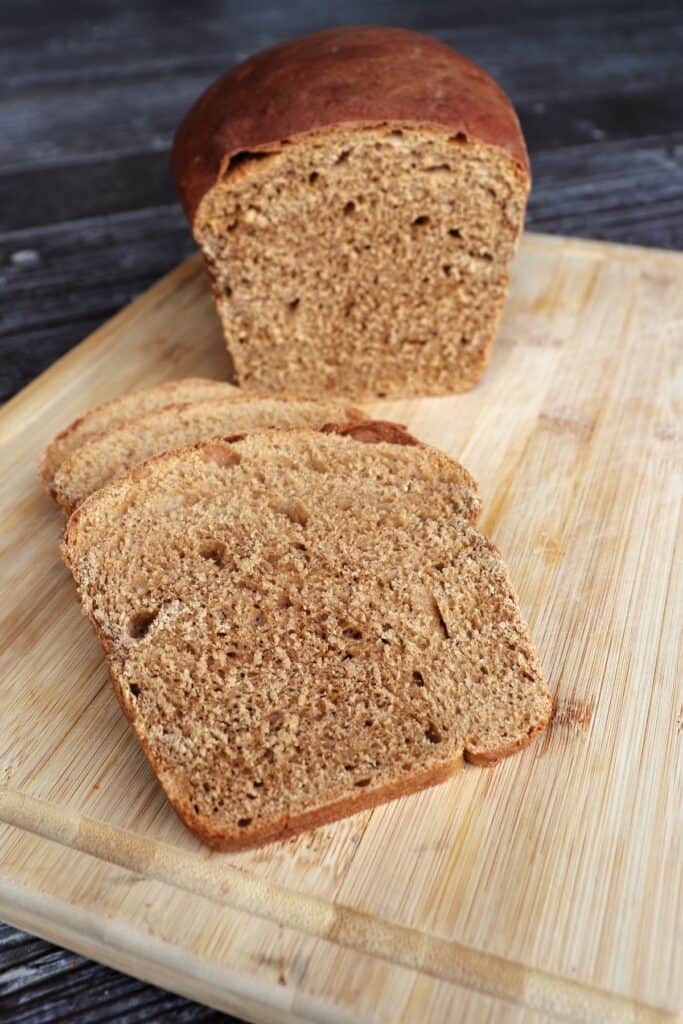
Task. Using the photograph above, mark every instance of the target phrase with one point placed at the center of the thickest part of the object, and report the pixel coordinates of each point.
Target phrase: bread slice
(300, 625)
(358, 195)
(112, 414)
(110, 455)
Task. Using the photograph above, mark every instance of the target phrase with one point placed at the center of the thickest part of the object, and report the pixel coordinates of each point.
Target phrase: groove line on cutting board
(449, 961)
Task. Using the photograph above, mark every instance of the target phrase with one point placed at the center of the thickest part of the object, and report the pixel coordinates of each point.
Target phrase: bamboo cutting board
(549, 885)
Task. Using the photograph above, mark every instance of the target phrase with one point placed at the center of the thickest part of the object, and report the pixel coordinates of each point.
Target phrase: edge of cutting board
(146, 955)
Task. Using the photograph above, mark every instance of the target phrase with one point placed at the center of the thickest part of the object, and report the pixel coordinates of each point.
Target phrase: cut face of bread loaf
(112, 414)
(110, 455)
(358, 233)
(300, 625)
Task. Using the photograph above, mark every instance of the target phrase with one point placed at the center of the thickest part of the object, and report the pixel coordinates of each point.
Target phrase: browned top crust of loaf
(360, 75)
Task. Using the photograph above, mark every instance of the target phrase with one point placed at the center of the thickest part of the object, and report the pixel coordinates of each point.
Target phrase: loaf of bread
(111, 414)
(358, 195)
(111, 454)
(302, 624)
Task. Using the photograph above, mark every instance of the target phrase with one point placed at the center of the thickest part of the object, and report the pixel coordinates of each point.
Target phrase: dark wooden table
(88, 215)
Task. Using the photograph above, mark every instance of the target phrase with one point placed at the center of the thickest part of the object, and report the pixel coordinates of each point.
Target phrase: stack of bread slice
(113, 438)
(300, 622)
(121, 410)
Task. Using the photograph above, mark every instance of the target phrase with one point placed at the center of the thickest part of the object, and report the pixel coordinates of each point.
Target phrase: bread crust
(360, 77)
(285, 827)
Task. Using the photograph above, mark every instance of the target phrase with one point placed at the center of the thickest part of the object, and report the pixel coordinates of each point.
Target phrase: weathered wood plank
(40, 983)
(78, 96)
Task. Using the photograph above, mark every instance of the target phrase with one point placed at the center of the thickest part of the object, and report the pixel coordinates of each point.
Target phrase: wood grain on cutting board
(553, 881)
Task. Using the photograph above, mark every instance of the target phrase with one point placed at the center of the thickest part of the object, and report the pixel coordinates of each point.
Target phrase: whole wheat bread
(111, 454)
(358, 195)
(300, 625)
(117, 411)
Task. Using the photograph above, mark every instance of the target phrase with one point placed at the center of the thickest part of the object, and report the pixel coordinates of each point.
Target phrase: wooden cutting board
(550, 883)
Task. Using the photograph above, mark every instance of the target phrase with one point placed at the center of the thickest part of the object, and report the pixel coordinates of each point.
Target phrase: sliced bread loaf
(300, 625)
(358, 195)
(110, 455)
(119, 410)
